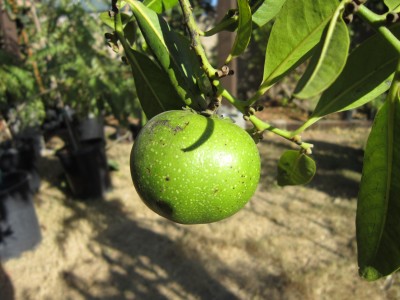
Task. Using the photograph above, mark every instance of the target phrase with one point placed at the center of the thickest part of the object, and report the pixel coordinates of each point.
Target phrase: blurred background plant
(77, 68)
(20, 103)
(62, 62)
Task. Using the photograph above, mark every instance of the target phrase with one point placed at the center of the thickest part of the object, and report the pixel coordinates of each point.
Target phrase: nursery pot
(19, 226)
(86, 169)
(90, 129)
(24, 157)
(29, 145)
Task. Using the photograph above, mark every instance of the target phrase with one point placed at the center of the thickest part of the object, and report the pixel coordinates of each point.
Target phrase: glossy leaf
(160, 6)
(295, 168)
(262, 11)
(155, 92)
(266, 10)
(328, 59)
(243, 33)
(154, 89)
(367, 74)
(378, 206)
(171, 52)
(297, 30)
(392, 5)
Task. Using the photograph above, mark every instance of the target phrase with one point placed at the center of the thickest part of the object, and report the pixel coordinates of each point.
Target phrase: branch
(195, 38)
(212, 73)
(377, 22)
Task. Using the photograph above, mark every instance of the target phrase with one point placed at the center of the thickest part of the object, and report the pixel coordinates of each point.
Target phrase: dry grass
(287, 243)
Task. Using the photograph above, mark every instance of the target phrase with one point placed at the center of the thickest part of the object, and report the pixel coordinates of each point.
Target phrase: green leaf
(127, 23)
(266, 10)
(109, 21)
(297, 30)
(328, 59)
(378, 206)
(160, 6)
(262, 11)
(229, 23)
(172, 52)
(154, 90)
(367, 75)
(243, 34)
(392, 5)
(295, 168)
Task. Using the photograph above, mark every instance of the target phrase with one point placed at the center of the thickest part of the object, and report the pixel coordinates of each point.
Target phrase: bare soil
(287, 243)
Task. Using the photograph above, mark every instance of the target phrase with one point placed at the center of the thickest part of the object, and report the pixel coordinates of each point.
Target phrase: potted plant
(21, 113)
(76, 73)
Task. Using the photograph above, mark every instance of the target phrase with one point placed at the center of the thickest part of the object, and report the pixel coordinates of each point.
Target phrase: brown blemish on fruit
(164, 208)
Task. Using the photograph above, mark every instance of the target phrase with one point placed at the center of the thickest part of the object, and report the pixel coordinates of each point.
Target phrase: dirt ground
(287, 243)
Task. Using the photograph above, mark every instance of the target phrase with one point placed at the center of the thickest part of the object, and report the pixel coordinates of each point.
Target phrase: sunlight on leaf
(171, 52)
(364, 77)
(297, 30)
(243, 33)
(328, 60)
(160, 6)
(266, 11)
(392, 5)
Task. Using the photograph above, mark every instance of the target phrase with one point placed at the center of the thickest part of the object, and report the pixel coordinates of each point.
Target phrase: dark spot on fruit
(164, 208)
(164, 123)
(177, 129)
(148, 170)
(167, 178)
(215, 191)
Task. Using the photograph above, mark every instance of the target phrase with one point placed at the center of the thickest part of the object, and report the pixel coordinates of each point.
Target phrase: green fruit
(194, 169)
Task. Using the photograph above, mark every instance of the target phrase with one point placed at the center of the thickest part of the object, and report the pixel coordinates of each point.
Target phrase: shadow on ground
(143, 264)
(339, 169)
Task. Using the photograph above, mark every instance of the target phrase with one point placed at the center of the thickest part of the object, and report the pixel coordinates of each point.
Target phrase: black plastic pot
(22, 153)
(9, 159)
(90, 129)
(19, 226)
(29, 146)
(86, 169)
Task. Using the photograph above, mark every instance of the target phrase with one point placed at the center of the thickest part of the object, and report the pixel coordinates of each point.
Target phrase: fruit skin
(194, 169)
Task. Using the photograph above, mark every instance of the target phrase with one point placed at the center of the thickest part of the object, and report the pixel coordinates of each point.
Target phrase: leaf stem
(306, 124)
(194, 33)
(262, 126)
(378, 23)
